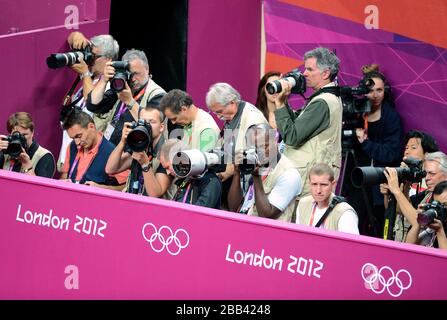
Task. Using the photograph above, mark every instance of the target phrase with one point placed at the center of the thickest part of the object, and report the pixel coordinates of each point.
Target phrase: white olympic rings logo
(375, 280)
(155, 237)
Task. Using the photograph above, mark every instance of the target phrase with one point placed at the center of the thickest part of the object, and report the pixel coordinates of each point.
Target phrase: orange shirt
(85, 158)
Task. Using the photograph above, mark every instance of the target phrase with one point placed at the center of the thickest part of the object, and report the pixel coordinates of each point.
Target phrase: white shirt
(288, 186)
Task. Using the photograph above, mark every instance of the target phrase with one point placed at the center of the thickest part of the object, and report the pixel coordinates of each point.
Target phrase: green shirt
(296, 130)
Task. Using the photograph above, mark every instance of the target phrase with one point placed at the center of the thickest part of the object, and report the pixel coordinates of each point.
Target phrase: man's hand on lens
(284, 94)
(80, 68)
(126, 95)
(436, 225)
(384, 189)
(393, 180)
(24, 159)
(126, 130)
(141, 157)
(109, 71)
(3, 143)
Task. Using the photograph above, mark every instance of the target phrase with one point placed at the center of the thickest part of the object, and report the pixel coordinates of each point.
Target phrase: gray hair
(107, 46)
(134, 54)
(326, 60)
(222, 93)
(175, 100)
(439, 157)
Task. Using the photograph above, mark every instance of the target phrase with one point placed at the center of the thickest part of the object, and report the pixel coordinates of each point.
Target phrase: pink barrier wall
(65, 241)
(26, 83)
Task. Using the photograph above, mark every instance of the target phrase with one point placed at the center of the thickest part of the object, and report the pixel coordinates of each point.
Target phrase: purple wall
(224, 43)
(27, 84)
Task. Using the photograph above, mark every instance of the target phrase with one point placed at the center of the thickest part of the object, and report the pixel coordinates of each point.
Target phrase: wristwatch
(146, 167)
(85, 74)
(27, 170)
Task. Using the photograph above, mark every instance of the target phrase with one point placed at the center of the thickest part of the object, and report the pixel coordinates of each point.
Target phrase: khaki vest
(331, 223)
(40, 152)
(269, 183)
(324, 147)
(103, 119)
(250, 116)
(202, 122)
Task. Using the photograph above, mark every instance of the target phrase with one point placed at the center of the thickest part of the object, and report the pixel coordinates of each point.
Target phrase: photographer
(275, 181)
(379, 145)
(104, 49)
(146, 180)
(26, 155)
(435, 165)
(200, 131)
(320, 209)
(313, 134)
(115, 108)
(436, 229)
(225, 102)
(88, 153)
(204, 190)
(417, 145)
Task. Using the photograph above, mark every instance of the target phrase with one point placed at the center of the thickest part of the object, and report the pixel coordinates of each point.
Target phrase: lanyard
(123, 107)
(12, 163)
(314, 208)
(75, 164)
(186, 193)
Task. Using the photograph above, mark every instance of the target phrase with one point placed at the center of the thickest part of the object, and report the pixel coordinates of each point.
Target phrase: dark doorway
(160, 31)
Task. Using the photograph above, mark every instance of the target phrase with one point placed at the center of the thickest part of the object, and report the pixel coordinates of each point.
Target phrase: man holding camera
(434, 221)
(104, 49)
(322, 209)
(19, 152)
(313, 134)
(200, 131)
(275, 181)
(145, 178)
(88, 153)
(117, 107)
(225, 102)
(435, 165)
(417, 145)
(203, 190)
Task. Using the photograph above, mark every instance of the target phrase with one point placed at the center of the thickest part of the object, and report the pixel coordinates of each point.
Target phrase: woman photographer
(379, 145)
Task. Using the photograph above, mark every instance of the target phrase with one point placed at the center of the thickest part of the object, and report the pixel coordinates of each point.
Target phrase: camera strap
(67, 98)
(335, 200)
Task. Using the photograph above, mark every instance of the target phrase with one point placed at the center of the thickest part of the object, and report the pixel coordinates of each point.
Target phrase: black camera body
(249, 161)
(59, 60)
(375, 175)
(122, 75)
(140, 138)
(432, 210)
(16, 142)
(294, 77)
(354, 107)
